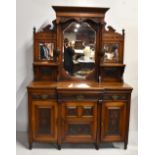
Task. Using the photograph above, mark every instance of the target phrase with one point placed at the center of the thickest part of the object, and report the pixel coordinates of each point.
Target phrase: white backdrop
(30, 13)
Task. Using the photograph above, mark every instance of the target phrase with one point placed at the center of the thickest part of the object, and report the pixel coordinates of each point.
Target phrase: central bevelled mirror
(79, 49)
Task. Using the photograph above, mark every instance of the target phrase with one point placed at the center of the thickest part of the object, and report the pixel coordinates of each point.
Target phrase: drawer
(78, 109)
(79, 95)
(44, 94)
(79, 121)
(115, 96)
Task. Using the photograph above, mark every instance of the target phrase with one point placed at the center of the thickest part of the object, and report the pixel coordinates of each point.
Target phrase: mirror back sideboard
(87, 102)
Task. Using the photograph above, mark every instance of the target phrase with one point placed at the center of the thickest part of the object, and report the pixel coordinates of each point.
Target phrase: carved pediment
(47, 27)
(111, 29)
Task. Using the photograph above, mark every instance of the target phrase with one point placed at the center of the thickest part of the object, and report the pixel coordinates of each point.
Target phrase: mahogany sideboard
(91, 104)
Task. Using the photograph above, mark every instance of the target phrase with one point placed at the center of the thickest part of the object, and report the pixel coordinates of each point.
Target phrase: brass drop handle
(87, 107)
(69, 107)
(44, 96)
(115, 97)
(80, 97)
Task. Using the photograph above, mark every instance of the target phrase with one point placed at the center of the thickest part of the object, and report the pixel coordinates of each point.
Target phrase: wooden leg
(96, 146)
(59, 128)
(30, 146)
(98, 125)
(125, 146)
(59, 146)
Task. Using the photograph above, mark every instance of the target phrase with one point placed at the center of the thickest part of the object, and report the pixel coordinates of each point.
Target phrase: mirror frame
(86, 27)
(95, 72)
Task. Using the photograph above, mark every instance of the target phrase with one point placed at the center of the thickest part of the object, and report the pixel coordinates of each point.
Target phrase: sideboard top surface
(89, 85)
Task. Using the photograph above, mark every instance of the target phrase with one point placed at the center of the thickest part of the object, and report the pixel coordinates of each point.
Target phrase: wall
(30, 13)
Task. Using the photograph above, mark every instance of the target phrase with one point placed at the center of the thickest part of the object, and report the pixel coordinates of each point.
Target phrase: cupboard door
(79, 121)
(44, 116)
(113, 121)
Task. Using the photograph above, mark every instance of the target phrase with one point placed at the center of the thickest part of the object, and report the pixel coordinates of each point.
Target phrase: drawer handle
(71, 107)
(44, 96)
(115, 97)
(86, 107)
(80, 97)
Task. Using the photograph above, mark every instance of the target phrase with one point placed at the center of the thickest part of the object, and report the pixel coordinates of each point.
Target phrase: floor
(50, 149)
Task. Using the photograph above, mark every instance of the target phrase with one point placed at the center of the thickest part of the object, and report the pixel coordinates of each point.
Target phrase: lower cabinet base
(86, 145)
(77, 117)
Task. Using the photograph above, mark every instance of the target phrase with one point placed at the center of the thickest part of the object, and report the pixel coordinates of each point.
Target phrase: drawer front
(115, 96)
(80, 96)
(79, 121)
(79, 110)
(43, 94)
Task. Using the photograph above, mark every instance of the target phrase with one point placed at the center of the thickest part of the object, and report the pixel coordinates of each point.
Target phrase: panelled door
(113, 121)
(79, 121)
(44, 116)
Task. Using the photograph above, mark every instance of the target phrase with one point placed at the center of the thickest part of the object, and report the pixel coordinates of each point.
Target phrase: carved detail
(110, 34)
(111, 29)
(88, 111)
(44, 118)
(113, 123)
(47, 28)
(71, 111)
(78, 129)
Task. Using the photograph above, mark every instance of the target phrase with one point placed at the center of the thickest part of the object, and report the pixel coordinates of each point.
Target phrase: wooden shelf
(112, 65)
(45, 64)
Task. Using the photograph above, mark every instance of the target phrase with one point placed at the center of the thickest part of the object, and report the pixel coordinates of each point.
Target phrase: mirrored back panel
(46, 51)
(79, 49)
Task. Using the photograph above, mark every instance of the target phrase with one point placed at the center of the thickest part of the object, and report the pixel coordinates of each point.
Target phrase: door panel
(79, 121)
(44, 120)
(113, 121)
(44, 116)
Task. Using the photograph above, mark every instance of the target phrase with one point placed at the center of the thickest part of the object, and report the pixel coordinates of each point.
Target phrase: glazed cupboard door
(79, 121)
(113, 123)
(44, 116)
